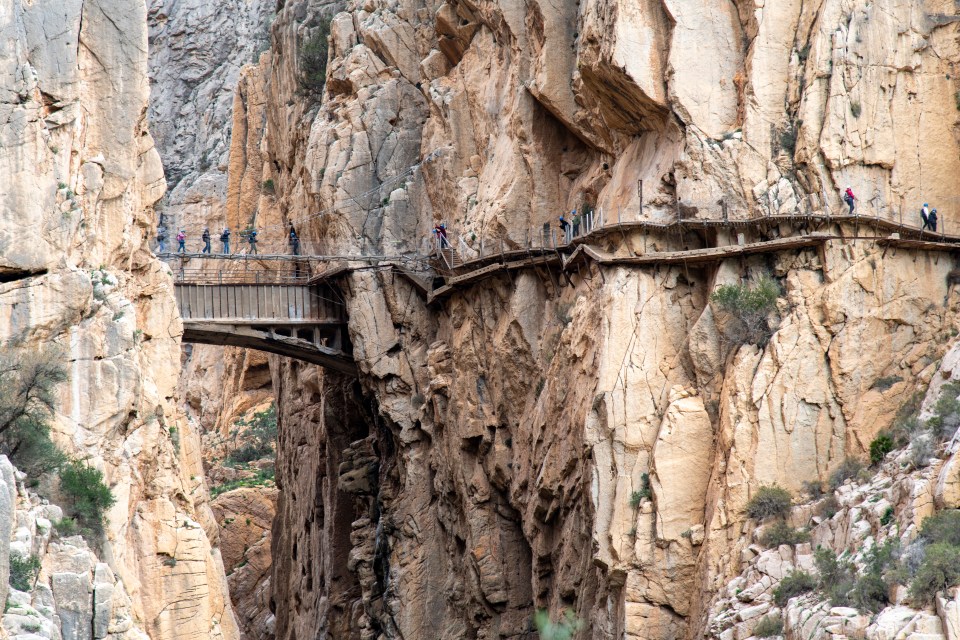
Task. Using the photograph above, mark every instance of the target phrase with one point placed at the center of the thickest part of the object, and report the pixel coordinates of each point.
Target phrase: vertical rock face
(590, 446)
(81, 175)
(197, 51)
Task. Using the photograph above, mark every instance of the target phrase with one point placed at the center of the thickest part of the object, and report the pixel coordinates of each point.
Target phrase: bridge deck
(272, 303)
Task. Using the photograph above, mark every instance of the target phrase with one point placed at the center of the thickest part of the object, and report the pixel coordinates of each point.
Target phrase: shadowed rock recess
(583, 440)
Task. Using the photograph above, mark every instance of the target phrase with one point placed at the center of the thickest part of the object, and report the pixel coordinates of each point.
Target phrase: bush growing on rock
(782, 533)
(847, 470)
(942, 527)
(23, 571)
(880, 447)
(769, 627)
(27, 394)
(939, 570)
(772, 500)
(946, 412)
(87, 496)
(313, 59)
(794, 584)
(748, 309)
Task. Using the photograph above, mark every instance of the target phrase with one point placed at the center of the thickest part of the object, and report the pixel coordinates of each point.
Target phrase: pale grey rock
(71, 591)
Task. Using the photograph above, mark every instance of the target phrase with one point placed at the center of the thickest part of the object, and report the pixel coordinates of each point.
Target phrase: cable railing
(455, 250)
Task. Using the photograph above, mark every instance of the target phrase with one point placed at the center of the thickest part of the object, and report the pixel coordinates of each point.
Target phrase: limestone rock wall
(197, 54)
(486, 462)
(82, 174)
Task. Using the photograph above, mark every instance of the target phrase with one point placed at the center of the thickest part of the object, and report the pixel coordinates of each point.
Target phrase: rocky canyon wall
(586, 443)
(81, 177)
(486, 461)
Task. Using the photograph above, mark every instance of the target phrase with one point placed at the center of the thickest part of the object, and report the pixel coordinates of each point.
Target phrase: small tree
(27, 385)
(88, 497)
(747, 309)
(313, 59)
(772, 500)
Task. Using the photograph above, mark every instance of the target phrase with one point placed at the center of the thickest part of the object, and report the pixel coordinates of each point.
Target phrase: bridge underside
(271, 340)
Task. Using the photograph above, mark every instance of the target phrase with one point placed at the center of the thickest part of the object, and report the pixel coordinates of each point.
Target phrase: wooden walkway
(306, 322)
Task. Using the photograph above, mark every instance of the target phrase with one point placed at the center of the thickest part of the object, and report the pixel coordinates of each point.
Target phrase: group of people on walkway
(928, 217)
(251, 235)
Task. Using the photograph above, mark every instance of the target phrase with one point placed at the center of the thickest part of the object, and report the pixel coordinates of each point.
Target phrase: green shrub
(23, 571)
(269, 187)
(814, 489)
(946, 412)
(942, 527)
(313, 59)
(644, 493)
(782, 533)
(772, 500)
(939, 570)
(887, 517)
(832, 569)
(880, 447)
(829, 507)
(848, 469)
(795, 584)
(65, 527)
(769, 627)
(855, 109)
(249, 453)
(263, 478)
(748, 309)
(563, 629)
(869, 593)
(905, 422)
(28, 383)
(87, 496)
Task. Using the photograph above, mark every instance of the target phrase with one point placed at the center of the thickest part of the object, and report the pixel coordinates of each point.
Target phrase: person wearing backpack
(850, 199)
(252, 239)
(225, 240)
(161, 240)
(182, 241)
(206, 240)
(294, 241)
(932, 221)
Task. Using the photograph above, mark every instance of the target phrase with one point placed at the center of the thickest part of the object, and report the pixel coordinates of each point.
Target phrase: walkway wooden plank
(718, 254)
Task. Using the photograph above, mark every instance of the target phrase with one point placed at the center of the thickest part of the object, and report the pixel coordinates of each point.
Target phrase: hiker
(850, 199)
(225, 240)
(441, 232)
(182, 241)
(932, 221)
(565, 229)
(161, 241)
(206, 240)
(576, 223)
(252, 239)
(925, 215)
(294, 241)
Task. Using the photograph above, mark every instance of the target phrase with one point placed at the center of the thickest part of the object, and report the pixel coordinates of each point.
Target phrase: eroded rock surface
(81, 177)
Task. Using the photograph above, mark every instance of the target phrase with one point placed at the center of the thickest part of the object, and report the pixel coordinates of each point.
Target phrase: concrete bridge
(287, 317)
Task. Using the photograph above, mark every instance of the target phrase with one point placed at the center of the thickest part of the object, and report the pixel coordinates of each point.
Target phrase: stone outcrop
(81, 177)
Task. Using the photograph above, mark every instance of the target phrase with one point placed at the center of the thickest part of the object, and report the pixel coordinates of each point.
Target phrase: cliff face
(486, 461)
(81, 176)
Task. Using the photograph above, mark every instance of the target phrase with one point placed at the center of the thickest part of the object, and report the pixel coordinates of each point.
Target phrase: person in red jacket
(850, 199)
